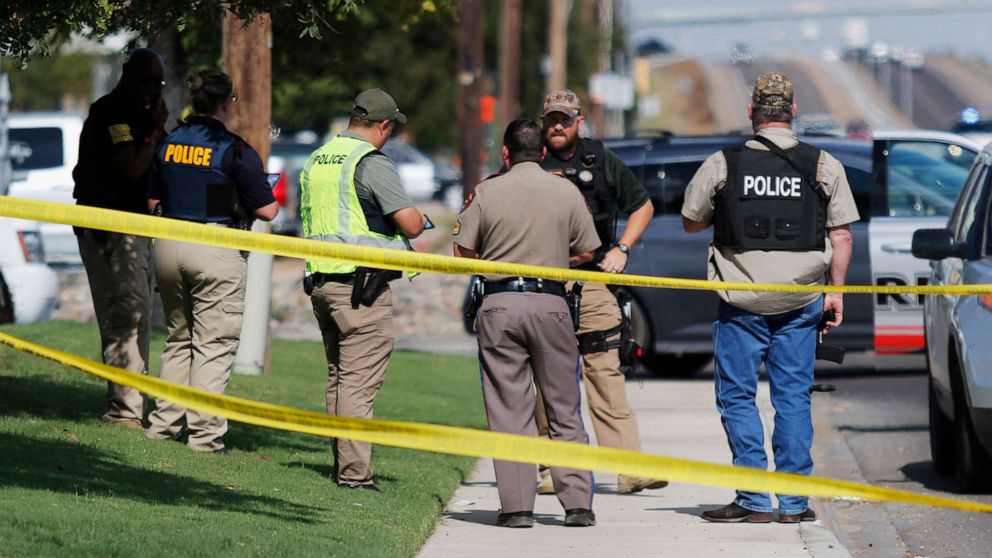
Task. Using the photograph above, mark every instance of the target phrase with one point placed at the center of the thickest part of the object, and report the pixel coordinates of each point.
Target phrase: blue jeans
(786, 343)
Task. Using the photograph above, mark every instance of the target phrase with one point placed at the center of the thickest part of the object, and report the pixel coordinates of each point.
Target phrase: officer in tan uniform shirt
(781, 211)
(529, 216)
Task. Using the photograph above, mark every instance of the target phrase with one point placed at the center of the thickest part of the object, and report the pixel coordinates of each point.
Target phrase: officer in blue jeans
(780, 211)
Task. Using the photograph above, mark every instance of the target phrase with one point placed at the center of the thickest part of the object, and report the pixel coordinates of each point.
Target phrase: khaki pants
(612, 417)
(118, 267)
(358, 343)
(527, 339)
(203, 293)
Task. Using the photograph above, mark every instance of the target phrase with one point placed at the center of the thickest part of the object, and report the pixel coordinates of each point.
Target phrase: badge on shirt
(585, 176)
(120, 133)
(457, 228)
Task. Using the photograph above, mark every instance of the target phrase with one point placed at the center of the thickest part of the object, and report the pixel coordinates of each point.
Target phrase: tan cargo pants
(119, 270)
(527, 339)
(203, 293)
(358, 343)
(613, 419)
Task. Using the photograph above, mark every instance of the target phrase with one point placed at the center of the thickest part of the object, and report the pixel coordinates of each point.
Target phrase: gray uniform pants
(118, 267)
(527, 339)
(203, 292)
(358, 343)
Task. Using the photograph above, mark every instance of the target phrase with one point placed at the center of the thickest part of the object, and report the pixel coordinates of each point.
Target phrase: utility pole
(248, 60)
(558, 43)
(471, 14)
(509, 62)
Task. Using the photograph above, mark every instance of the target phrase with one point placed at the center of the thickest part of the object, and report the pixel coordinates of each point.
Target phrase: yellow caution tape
(480, 443)
(158, 227)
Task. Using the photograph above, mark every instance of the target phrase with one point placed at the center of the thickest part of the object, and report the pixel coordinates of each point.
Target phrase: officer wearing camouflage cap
(780, 211)
(609, 188)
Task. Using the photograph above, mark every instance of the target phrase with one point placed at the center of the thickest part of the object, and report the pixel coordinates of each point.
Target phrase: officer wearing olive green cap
(351, 193)
(781, 211)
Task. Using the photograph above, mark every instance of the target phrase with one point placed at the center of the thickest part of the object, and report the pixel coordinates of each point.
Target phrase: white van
(44, 147)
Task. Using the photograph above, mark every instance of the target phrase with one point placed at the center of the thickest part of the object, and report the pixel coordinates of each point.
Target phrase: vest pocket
(787, 229)
(757, 226)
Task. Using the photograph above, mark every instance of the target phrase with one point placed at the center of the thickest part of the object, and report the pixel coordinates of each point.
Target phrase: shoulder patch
(120, 133)
(468, 202)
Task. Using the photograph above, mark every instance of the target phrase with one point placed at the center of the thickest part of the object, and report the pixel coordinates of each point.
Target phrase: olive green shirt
(377, 180)
(769, 266)
(630, 193)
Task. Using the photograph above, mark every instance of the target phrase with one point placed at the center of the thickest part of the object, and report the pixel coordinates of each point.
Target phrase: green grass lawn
(73, 486)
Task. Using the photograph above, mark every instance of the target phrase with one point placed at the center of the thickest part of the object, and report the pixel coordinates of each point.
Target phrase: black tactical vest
(767, 204)
(587, 170)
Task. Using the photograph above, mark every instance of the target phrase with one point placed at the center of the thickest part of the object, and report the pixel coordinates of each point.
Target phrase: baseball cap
(375, 105)
(773, 89)
(563, 100)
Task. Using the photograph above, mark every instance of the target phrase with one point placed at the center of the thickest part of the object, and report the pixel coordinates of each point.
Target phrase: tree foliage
(37, 26)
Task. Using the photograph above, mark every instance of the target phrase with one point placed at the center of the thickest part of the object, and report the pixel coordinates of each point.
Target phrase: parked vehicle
(416, 169)
(957, 328)
(287, 160)
(901, 181)
(28, 287)
(44, 150)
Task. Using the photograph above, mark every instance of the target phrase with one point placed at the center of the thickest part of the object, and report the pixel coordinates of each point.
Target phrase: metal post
(5, 169)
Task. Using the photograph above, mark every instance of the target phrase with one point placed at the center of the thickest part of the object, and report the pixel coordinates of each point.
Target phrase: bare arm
(267, 212)
(615, 261)
(152, 202)
(409, 220)
(576, 260)
(461, 252)
(842, 243)
(692, 227)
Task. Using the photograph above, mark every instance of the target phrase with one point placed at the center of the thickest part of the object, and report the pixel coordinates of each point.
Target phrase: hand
(614, 261)
(835, 302)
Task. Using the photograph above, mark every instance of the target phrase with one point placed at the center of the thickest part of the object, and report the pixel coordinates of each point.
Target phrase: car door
(916, 181)
(948, 271)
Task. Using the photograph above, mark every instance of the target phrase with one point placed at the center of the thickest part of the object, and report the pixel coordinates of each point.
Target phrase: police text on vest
(773, 186)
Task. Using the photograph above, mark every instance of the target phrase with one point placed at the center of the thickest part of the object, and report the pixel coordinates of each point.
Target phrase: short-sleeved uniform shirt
(116, 121)
(377, 180)
(527, 216)
(765, 266)
(241, 162)
(630, 193)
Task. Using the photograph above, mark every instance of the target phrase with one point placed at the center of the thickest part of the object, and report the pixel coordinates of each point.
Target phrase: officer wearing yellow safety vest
(206, 174)
(351, 193)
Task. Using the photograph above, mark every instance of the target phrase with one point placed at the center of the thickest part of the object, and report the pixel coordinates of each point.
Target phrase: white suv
(28, 286)
(957, 328)
(44, 147)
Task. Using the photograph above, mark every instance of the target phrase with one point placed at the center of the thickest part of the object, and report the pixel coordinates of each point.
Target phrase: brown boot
(630, 485)
(733, 513)
(133, 424)
(544, 482)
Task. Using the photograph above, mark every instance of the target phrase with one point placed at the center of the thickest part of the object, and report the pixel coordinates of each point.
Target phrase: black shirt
(116, 121)
(241, 162)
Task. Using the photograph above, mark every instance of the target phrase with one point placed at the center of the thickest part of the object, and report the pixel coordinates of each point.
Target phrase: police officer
(780, 210)
(608, 187)
(203, 173)
(524, 324)
(351, 193)
(116, 147)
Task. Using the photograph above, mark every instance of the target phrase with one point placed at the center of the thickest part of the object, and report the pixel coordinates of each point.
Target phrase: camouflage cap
(563, 100)
(773, 89)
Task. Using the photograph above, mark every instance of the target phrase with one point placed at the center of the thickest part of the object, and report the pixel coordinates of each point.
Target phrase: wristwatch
(624, 248)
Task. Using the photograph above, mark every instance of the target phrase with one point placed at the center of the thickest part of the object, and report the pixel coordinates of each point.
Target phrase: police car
(902, 181)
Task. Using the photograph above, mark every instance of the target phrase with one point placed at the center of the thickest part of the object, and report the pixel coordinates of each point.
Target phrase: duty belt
(321, 278)
(522, 285)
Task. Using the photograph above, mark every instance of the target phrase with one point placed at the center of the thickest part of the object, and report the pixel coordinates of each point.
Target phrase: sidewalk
(677, 418)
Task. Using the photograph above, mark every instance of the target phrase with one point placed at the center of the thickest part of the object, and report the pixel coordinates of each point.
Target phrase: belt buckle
(518, 284)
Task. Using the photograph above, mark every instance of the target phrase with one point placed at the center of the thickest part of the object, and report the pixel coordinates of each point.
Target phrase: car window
(653, 176)
(925, 177)
(35, 148)
(860, 182)
(977, 170)
(676, 177)
(970, 209)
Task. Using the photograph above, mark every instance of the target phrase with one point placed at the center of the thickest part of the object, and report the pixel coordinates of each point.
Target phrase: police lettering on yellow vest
(333, 212)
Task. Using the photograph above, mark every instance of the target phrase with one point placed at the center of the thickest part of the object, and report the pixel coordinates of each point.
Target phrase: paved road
(936, 105)
(882, 419)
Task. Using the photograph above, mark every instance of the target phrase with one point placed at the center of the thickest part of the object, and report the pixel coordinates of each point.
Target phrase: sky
(965, 34)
